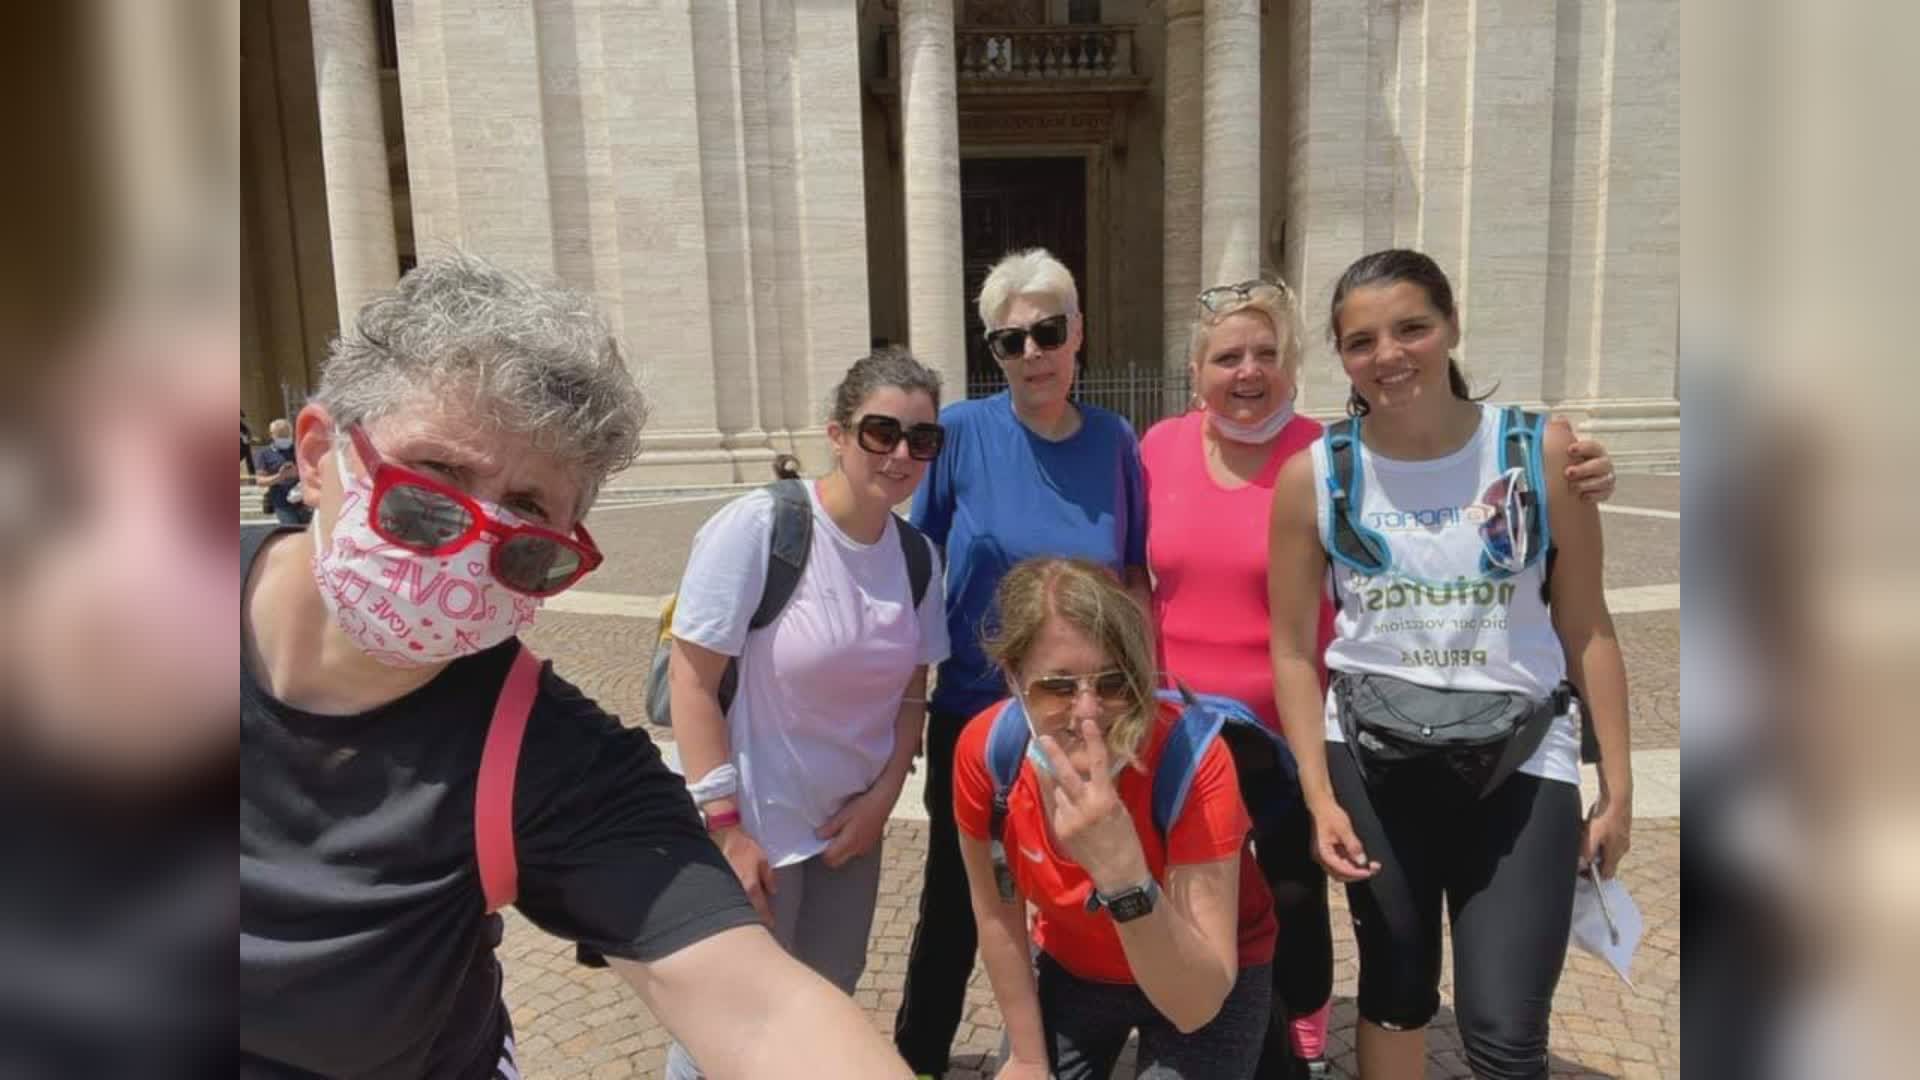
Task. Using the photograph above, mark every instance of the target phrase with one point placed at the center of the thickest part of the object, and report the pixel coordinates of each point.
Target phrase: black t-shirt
(365, 950)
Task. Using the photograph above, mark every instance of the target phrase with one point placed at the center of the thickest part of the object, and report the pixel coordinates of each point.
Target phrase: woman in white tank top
(1504, 861)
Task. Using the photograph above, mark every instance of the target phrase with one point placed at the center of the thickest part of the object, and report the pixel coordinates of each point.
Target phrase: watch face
(1131, 905)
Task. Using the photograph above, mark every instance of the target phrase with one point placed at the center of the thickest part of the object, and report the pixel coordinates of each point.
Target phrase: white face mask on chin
(1253, 434)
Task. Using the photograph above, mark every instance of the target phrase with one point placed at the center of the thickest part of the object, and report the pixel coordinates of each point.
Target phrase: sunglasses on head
(1051, 697)
(879, 434)
(425, 516)
(1010, 342)
(1222, 298)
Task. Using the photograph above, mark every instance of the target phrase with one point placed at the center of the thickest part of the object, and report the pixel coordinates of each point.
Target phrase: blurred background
(1801, 901)
(118, 701)
(1801, 453)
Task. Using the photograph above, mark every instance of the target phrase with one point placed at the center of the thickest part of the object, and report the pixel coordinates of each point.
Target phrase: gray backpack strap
(787, 551)
(914, 546)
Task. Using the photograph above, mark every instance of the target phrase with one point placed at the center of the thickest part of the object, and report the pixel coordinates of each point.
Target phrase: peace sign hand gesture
(1088, 820)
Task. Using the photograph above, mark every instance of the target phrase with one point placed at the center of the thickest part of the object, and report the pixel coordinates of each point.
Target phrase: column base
(1640, 433)
(707, 459)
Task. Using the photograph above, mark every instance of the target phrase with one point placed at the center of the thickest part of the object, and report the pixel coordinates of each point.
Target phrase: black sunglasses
(1009, 342)
(880, 434)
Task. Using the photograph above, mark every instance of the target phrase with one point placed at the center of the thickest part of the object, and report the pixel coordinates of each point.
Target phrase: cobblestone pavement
(577, 1022)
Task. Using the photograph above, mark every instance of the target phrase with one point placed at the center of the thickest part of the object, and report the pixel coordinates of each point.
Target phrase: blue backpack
(1202, 718)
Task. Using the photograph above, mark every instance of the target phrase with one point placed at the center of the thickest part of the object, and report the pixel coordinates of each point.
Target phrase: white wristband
(723, 782)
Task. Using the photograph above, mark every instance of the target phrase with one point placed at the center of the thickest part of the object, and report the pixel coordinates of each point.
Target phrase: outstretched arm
(745, 1008)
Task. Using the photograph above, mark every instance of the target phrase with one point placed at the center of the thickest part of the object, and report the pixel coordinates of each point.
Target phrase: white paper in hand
(1606, 922)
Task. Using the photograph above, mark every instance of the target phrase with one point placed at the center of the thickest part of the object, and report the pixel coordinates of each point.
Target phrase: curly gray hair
(525, 355)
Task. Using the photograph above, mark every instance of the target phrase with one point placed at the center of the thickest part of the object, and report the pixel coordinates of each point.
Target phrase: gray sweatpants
(822, 916)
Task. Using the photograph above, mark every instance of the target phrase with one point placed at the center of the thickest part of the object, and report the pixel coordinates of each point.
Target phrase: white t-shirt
(813, 721)
(1479, 636)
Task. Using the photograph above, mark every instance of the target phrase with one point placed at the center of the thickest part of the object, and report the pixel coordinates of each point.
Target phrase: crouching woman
(1169, 935)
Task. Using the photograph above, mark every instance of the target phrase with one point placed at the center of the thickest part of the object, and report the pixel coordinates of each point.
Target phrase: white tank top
(1468, 635)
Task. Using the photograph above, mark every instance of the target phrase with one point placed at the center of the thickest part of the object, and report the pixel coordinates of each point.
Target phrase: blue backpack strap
(1347, 541)
(1540, 528)
(1006, 748)
(1523, 447)
(1180, 758)
(1205, 716)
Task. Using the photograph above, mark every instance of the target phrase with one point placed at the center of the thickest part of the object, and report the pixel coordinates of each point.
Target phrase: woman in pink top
(1209, 478)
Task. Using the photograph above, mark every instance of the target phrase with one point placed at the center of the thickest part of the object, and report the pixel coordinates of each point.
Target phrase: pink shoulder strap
(493, 795)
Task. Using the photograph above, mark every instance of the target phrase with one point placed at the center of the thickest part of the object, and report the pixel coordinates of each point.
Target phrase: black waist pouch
(1482, 736)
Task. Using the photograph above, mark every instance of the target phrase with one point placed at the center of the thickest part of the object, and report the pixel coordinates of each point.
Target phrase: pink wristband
(725, 819)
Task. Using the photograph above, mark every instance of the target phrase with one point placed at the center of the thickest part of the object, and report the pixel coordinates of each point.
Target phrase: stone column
(830, 205)
(470, 91)
(353, 143)
(1501, 279)
(1230, 207)
(1180, 141)
(930, 162)
(1326, 208)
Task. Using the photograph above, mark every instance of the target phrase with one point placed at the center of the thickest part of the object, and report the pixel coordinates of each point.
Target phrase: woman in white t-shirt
(798, 775)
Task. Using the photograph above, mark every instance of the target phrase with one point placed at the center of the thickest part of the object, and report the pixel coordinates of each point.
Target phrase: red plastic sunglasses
(426, 516)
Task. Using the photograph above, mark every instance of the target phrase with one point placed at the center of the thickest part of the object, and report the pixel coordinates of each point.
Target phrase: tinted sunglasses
(1505, 531)
(1051, 697)
(1010, 342)
(879, 434)
(428, 517)
(1223, 298)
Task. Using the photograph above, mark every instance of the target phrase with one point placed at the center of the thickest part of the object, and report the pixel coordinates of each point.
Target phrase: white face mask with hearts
(406, 609)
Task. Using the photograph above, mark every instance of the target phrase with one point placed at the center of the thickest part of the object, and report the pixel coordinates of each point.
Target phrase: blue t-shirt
(998, 494)
(268, 461)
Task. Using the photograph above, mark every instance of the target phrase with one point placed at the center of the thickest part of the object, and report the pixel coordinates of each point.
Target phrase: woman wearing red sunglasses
(462, 428)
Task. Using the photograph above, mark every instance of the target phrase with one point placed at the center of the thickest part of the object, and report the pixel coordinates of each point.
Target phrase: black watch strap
(1128, 904)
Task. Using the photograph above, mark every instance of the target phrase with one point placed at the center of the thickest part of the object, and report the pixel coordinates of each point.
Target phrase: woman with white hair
(1026, 472)
(463, 426)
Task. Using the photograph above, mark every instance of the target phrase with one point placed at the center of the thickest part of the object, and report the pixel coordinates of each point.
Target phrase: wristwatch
(1127, 904)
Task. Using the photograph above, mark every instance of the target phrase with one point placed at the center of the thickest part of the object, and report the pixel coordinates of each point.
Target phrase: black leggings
(1505, 866)
(1087, 1024)
(1303, 951)
(940, 958)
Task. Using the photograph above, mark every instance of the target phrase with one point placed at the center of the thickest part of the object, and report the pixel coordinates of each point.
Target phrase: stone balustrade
(1046, 54)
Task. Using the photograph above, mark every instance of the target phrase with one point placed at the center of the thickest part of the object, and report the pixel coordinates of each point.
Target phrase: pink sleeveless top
(1207, 548)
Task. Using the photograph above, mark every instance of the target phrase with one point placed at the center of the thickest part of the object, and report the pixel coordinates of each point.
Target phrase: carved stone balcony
(1030, 84)
(1054, 53)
